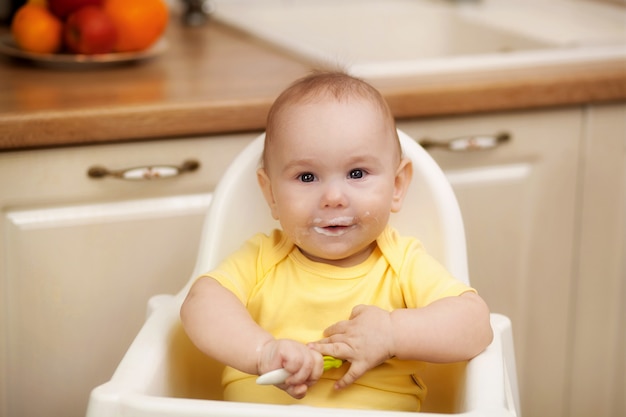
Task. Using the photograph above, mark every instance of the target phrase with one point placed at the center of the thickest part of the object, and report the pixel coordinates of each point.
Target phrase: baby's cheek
(300, 234)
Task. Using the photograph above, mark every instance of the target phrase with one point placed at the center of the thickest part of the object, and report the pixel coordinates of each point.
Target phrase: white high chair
(163, 374)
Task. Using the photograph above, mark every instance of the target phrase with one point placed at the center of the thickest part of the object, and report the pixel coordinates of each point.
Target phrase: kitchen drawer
(58, 176)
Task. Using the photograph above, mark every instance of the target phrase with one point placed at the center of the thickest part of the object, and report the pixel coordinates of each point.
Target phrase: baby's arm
(451, 329)
(221, 327)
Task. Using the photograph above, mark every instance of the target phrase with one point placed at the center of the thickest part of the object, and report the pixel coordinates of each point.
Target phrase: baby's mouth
(336, 227)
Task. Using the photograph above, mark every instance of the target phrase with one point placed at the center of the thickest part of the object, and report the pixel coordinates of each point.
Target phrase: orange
(35, 29)
(139, 23)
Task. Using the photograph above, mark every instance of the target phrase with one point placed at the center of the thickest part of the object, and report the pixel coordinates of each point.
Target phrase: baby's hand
(304, 364)
(365, 340)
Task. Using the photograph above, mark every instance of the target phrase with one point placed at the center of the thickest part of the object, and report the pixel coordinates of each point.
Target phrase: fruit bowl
(9, 48)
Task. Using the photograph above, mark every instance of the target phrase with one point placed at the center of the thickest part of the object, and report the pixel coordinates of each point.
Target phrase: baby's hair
(323, 84)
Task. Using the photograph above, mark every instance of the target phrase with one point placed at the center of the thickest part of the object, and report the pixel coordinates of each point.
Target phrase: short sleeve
(421, 277)
(241, 271)
(424, 280)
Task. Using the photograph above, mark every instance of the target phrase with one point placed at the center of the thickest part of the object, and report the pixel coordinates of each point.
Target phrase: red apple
(89, 30)
(63, 8)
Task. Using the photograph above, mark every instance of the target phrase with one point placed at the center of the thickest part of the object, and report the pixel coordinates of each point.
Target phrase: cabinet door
(80, 277)
(598, 360)
(518, 202)
(80, 258)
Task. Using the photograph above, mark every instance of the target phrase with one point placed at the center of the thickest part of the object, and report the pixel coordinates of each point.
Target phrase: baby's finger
(296, 391)
(318, 368)
(337, 328)
(310, 370)
(354, 372)
(336, 350)
(357, 310)
(299, 377)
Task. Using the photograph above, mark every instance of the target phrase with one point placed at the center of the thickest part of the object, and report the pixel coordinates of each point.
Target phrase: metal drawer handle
(152, 172)
(467, 143)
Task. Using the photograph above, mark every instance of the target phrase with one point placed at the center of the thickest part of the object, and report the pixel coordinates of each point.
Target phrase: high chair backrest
(430, 211)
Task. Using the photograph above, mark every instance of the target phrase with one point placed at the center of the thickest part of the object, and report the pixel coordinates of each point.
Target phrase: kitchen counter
(215, 80)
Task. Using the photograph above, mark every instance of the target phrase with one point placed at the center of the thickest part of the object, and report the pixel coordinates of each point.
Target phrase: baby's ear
(266, 188)
(404, 173)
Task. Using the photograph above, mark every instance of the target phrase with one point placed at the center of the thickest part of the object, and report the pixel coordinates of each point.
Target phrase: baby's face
(333, 176)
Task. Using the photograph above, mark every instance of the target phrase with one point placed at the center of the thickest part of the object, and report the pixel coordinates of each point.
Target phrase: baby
(336, 279)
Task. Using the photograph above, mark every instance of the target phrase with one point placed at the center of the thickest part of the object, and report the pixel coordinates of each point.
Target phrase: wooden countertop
(215, 79)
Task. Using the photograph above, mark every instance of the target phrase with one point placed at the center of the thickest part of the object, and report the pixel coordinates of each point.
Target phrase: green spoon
(278, 376)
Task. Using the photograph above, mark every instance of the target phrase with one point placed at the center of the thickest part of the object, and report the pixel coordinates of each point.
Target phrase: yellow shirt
(293, 297)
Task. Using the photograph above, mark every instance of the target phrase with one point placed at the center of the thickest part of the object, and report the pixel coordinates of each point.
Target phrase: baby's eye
(356, 174)
(307, 177)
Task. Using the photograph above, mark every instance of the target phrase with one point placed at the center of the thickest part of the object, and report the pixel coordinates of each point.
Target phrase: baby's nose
(334, 195)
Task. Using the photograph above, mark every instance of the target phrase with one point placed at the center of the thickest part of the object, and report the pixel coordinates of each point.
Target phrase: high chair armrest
(157, 301)
(492, 376)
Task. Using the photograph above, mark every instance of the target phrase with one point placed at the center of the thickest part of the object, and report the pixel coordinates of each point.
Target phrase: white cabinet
(598, 356)
(80, 257)
(544, 215)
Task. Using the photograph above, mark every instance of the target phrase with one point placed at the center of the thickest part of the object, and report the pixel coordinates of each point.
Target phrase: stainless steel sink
(388, 37)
